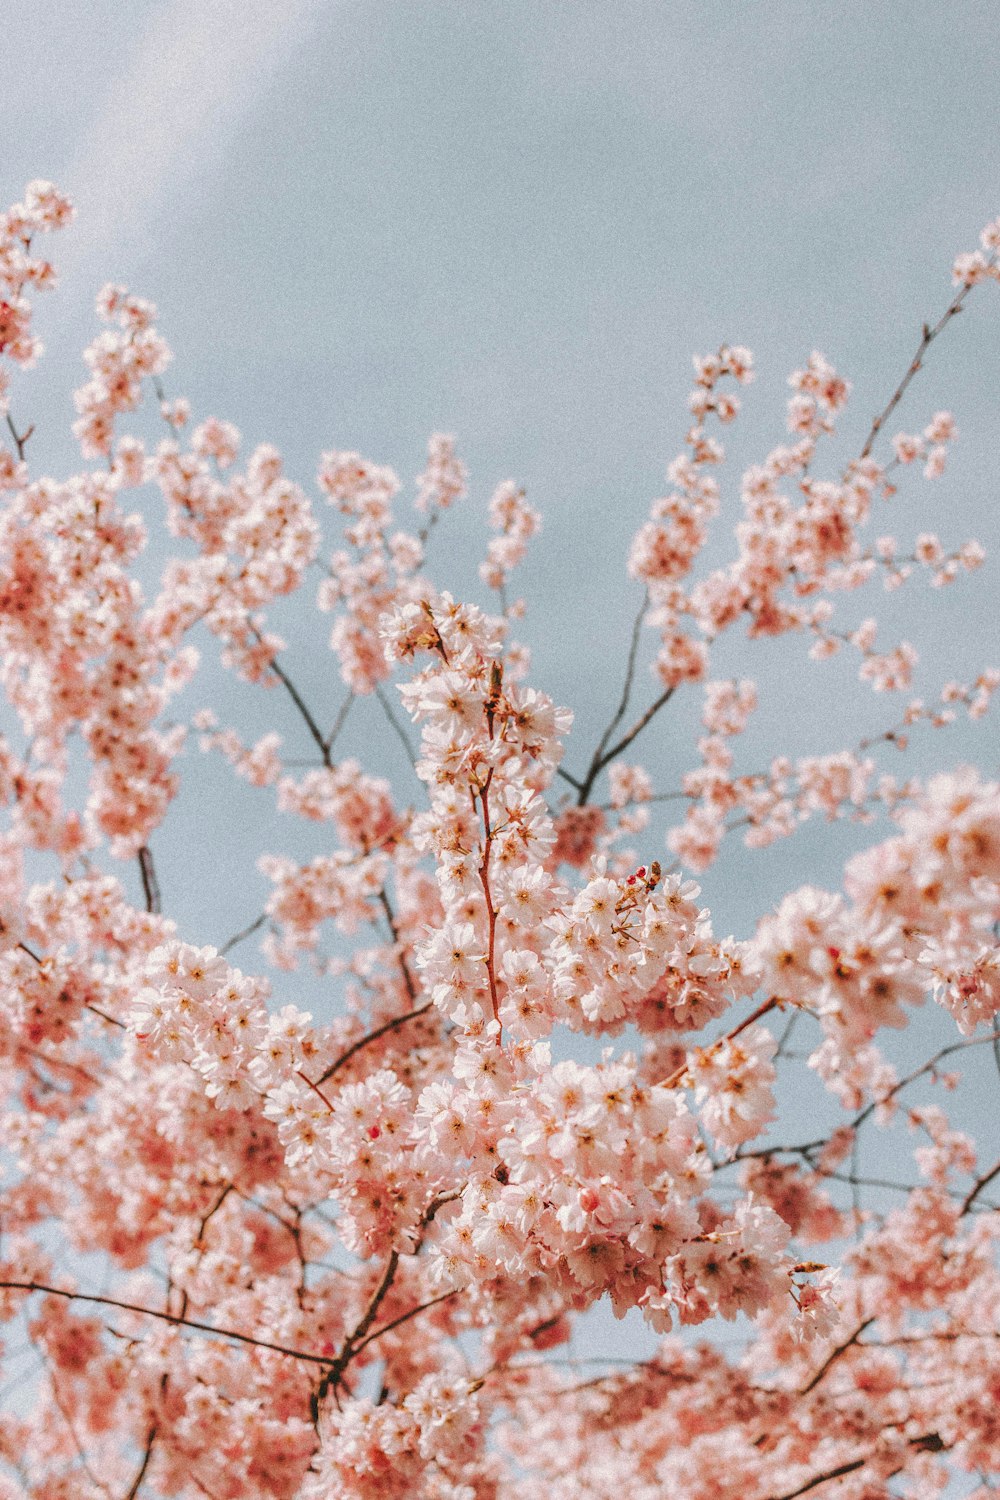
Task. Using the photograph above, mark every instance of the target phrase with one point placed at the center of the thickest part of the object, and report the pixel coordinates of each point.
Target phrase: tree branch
(150, 884)
(678, 1075)
(20, 438)
(598, 764)
(928, 1442)
(240, 937)
(808, 1147)
(372, 1036)
(165, 1317)
(928, 335)
(396, 725)
(300, 703)
(978, 1186)
(633, 652)
(390, 917)
(360, 1337)
(136, 1484)
(833, 1356)
(405, 1318)
(339, 721)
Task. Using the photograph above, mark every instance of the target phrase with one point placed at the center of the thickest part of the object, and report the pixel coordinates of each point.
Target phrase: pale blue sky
(516, 222)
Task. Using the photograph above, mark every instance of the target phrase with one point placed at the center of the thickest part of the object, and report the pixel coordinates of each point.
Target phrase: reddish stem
(767, 1005)
(484, 876)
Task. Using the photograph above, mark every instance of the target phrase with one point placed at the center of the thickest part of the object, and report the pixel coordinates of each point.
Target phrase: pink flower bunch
(258, 1257)
(42, 210)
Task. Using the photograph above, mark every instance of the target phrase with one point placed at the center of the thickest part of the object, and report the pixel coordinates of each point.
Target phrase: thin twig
(165, 1317)
(807, 1148)
(928, 335)
(377, 1333)
(928, 1442)
(207, 1216)
(633, 652)
(397, 726)
(20, 438)
(67, 1418)
(838, 1473)
(834, 1355)
(315, 1088)
(136, 1484)
(598, 764)
(679, 1074)
(111, 1020)
(390, 917)
(339, 721)
(240, 937)
(300, 703)
(642, 801)
(373, 1036)
(978, 1186)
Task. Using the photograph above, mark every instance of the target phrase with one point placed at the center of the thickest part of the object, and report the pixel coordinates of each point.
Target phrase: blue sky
(365, 222)
(516, 222)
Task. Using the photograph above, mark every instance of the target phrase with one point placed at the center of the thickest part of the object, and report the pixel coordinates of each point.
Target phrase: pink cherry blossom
(258, 1254)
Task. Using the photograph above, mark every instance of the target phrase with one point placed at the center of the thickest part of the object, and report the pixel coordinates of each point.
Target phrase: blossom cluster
(256, 1255)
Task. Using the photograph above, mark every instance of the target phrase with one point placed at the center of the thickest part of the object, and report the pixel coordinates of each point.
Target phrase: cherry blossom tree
(244, 1254)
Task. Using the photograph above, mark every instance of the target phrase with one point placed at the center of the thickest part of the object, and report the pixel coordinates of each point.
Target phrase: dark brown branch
(20, 438)
(833, 1356)
(240, 937)
(353, 1341)
(808, 1147)
(390, 917)
(838, 1473)
(978, 1186)
(339, 721)
(396, 725)
(576, 785)
(633, 652)
(150, 884)
(927, 1067)
(602, 756)
(372, 1036)
(377, 1333)
(928, 1442)
(599, 762)
(165, 1317)
(111, 1020)
(928, 335)
(227, 1188)
(300, 703)
(766, 1006)
(136, 1484)
(360, 1335)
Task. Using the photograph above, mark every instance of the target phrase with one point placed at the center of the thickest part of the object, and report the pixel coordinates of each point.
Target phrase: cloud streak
(196, 69)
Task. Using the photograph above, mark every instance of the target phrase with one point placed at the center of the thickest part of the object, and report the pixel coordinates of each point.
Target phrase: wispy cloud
(193, 73)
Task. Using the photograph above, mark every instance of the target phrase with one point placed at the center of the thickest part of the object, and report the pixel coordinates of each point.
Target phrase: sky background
(516, 222)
